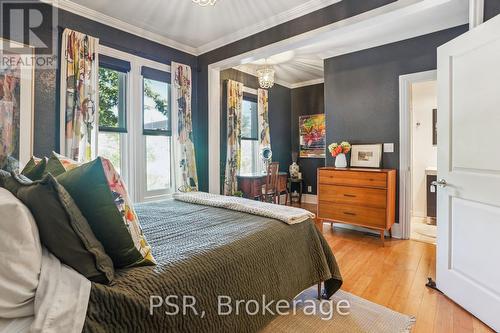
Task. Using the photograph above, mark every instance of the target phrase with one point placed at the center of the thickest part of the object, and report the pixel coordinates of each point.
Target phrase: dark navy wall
(491, 8)
(46, 136)
(362, 90)
(279, 118)
(305, 101)
(314, 20)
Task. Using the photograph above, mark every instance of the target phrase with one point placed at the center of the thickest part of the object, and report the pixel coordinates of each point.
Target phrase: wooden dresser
(362, 197)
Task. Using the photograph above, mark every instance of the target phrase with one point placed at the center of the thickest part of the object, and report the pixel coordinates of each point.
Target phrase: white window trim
(133, 147)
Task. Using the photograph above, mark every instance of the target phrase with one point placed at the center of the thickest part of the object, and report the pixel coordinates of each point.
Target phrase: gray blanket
(206, 252)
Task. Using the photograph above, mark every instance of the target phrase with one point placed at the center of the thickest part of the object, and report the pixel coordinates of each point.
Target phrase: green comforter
(203, 253)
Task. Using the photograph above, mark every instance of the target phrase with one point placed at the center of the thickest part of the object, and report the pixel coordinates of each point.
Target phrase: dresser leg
(382, 236)
(319, 224)
(390, 232)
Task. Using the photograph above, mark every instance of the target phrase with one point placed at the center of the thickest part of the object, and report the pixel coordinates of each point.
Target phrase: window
(135, 124)
(249, 135)
(156, 128)
(112, 111)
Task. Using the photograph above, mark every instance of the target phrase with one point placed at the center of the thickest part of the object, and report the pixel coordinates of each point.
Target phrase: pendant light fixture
(266, 77)
(204, 3)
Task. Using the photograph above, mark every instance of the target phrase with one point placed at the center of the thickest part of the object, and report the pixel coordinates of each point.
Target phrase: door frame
(405, 146)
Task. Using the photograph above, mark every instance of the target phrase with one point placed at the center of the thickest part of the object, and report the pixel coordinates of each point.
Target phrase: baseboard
(310, 198)
(306, 198)
(396, 229)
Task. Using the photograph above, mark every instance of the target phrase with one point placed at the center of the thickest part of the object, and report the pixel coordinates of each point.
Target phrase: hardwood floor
(395, 276)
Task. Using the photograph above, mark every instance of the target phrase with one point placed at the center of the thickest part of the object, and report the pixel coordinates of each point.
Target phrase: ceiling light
(266, 77)
(205, 2)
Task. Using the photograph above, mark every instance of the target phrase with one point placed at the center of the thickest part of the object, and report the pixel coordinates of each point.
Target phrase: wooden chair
(270, 191)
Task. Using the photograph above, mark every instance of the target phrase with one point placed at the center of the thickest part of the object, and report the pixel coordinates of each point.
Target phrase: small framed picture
(366, 156)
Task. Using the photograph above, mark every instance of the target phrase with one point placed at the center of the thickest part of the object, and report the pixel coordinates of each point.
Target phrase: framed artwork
(366, 156)
(312, 131)
(16, 109)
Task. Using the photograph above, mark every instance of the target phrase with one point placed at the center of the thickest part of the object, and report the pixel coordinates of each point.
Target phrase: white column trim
(476, 13)
(214, 129)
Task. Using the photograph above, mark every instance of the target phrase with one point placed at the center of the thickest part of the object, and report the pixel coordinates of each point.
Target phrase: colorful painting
(16, 112)
(312, 136)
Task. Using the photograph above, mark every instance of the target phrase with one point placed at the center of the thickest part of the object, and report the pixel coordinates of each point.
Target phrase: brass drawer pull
(348, 213)
(350, 195)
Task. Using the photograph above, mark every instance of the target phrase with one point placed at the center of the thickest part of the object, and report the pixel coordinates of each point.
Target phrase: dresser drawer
(358, 196)
(364, 216)
(353, 178)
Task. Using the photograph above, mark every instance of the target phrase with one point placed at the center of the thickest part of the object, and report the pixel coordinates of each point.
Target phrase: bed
(205, 252)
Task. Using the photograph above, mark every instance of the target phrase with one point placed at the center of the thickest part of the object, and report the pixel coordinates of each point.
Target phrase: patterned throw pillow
(59, 164)
(101, 195)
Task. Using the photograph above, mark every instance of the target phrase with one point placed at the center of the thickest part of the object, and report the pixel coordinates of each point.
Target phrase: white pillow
(20, 258)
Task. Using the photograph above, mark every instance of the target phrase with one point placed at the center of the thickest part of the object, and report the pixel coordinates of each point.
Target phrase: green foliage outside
(108, 97)
(109, 94)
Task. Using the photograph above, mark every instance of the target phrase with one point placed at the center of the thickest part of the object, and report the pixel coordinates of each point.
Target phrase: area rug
(364, 317)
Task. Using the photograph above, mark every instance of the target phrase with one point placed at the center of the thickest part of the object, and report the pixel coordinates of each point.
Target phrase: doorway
(418, 156)
(423, 161)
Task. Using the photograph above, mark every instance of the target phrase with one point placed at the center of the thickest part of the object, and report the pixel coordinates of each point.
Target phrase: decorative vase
(294, 170)
(340, 161)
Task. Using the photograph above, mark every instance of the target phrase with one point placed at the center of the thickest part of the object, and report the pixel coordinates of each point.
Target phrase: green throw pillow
(59, 164)
(54, 167)
(101, 196)
(64, 230)
(30, 165)
(35, 172)
(9, 183)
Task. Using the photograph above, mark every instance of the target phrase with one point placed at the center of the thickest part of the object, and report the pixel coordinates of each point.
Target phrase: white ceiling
(302, 62)
(292, 68)
(194, 29)
(191, 27)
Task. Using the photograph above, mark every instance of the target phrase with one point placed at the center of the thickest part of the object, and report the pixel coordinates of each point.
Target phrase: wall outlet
(309, 189)
(388, 147)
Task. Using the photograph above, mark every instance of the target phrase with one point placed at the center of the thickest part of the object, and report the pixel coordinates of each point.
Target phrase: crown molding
(307, 83)
(293, 13)
(120, 25)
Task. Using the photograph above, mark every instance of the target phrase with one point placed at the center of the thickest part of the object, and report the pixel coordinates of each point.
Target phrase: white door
(468, 246)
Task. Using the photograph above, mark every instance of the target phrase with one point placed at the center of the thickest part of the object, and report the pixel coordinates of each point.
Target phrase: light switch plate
(309, 189)
(388, 147)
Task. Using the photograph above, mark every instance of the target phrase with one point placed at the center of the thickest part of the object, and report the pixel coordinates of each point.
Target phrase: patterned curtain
(263, 110)
(234, 105)
(79, 73)
(185, 164)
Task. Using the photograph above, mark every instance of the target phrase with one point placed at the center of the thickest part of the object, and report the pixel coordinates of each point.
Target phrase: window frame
(167, 132)
(252, 98)
(133, 143)
(247, 96)
(122, 104)
(122, 132)
(155, 194)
